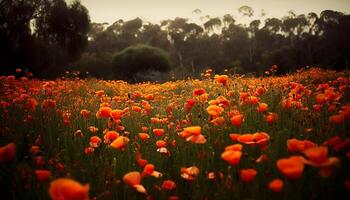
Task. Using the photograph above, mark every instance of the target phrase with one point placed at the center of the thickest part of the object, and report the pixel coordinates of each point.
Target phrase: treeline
(42, 36)
(49, 37)
(290, 42)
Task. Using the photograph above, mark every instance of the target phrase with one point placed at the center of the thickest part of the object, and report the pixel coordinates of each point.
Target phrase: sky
(156, 10)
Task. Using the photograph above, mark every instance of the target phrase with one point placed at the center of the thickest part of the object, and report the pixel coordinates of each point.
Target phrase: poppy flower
(168, 185)
(133, 179)
(68, 189)
(222, 79)
(247, 175)
(214, 110)
(198, 91)
(193, 130)
(237, 120)
(95, 141)
(104, 112)
(110, 136)
(276, 185)
(232, 157)
(120, 142)
(160, 143)
(234, 147)
(189, 173)
(116, 114)
(292, 167)
(318, 157)
(158, 132)
(143, 136)
(336, 119)
(295, 145)
(262, 107)
(197, 139)
(89, 150)
(85, 113)
(42, 175)
(149, 170)
(271, 117)
(7, 153)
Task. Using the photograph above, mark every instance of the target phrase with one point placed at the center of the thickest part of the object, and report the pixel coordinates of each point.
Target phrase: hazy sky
(157, 10)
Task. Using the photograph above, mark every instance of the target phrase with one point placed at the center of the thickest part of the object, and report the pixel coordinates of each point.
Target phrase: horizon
(155, 11)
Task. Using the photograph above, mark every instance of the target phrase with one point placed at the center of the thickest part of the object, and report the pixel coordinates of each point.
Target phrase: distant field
(221, 137)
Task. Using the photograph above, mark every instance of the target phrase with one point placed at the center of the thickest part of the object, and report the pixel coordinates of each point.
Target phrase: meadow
(219, 137)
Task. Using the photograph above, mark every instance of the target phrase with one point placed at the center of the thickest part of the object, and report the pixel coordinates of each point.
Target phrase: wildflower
(68, 189)
(198, 92)
(295, 145)
(85, 113)
(42, 175)
(158, 132)
(189, 173)
(222, 79)
(237, 120)
(247, 175)
(168, 185)
(214, 110)
(7, 153)
(104, 112)
(89, 150)
(120, 142)
(262, 107)
(292, 167)
(95, 141)
(271, 117)
(144, 136)
(276, 185)
(133, 179)
(232, 157)
(110, 136)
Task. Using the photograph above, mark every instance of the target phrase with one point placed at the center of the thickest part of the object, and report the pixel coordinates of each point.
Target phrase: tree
(138, 59)
(43, 36)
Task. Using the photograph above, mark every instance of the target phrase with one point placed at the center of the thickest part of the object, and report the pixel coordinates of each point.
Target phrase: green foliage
(140, 59)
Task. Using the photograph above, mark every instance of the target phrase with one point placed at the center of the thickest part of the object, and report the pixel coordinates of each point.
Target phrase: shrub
(140, 59)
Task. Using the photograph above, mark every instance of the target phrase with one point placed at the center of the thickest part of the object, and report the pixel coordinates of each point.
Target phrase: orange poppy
(85, 113)
(193, 130)
(144, 136)
(158, 132)
(120, 142)
(197, 139)
(295, 145)
(198, 91)
(234, 147)
(237, 120)
(95, 141)
(232, 157)
(247, 175)
(42, 175)
(214, 110)
(276, 185)
(7, 153)
(104, 112)
(160, 143)
(336, 119)
(221, 79)
(292, 167)
(168, 185)
(110, 136)
(271, 117)
(68, 189)
(189, 173)
(262, 107)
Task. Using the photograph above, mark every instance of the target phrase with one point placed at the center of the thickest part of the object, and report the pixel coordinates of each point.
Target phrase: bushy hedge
(138, 59)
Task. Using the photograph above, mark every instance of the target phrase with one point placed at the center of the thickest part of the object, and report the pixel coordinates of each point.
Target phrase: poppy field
(218, 137)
